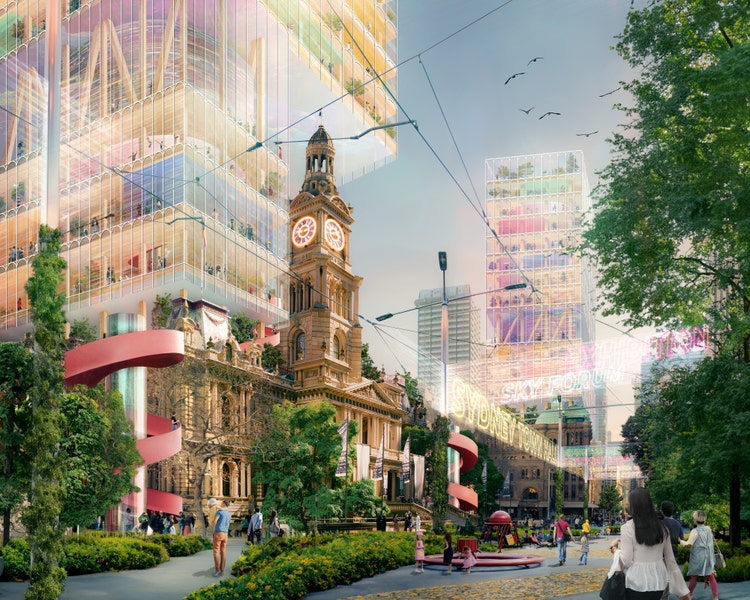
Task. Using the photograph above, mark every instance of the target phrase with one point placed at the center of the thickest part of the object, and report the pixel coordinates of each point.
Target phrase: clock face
(304, 231)
(334, 235)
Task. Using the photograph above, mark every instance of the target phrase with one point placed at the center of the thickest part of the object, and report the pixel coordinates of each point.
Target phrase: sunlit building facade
(163, 147)
(542, 334)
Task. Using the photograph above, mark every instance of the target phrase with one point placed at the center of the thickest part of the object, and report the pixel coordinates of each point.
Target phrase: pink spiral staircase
(90, 363)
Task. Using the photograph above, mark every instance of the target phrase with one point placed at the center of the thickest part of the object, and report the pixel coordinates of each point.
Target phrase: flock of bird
(552, 112)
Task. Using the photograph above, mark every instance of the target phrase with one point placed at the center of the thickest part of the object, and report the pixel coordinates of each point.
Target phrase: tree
(531, 414)
(610, 499)
(670, 232)
(559, 493)
(411, 386)
(16, 376)
(161, 312)
(99, 454)
(40, 516)
(243, 327)
(271, 357)
(473, 477)
(296, 455)
(203, 396)
(369, 370)
(81, 332)
(437, 466)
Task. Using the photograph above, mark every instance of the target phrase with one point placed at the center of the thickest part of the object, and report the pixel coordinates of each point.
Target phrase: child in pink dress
(470, 559)
(419, 553)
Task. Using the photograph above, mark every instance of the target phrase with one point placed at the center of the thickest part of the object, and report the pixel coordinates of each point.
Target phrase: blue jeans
(561, 549)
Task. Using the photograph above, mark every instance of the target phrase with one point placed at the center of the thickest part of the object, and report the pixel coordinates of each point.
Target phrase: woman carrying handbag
(647, 557)
(702, 557)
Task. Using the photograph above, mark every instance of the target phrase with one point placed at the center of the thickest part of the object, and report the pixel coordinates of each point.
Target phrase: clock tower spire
(324, 339)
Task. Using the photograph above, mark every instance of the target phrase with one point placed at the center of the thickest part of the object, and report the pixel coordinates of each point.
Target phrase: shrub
(17, 556)
(291, 568)
(178, 545)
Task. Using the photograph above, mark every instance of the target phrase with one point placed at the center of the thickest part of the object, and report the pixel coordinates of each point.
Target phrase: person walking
(584, 558)
(274, 527)
(673, 525)
(646, 555)
(448, 553)
(702, 561)
(255, 528)
(219, 541)
(419, 554)
(562, 535)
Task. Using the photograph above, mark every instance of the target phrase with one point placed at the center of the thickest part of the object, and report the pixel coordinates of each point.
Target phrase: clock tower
(323, 342)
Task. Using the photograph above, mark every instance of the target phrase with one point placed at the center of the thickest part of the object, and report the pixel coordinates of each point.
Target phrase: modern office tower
(147, 131)
(463, 339)
(544, 332)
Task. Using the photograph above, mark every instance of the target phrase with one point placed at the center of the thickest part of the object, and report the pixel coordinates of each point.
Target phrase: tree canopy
(670, 229)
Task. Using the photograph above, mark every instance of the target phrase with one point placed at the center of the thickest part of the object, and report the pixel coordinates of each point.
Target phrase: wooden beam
(122, 65)
(90, 70)
(166, 44)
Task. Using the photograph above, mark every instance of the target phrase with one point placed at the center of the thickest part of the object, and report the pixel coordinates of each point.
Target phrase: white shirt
(256, 522)
(650, 568)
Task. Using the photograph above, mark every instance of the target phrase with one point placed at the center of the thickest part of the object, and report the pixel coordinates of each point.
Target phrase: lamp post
(443, 262)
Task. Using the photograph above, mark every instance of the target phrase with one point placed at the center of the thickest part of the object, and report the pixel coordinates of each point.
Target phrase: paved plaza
(180, 576)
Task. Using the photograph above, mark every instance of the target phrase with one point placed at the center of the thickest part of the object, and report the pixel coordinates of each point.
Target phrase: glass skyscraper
(159, 137)
(543, 334)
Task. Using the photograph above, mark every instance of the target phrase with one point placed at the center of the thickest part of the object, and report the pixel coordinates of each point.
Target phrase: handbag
(719, 562)
(613, 587)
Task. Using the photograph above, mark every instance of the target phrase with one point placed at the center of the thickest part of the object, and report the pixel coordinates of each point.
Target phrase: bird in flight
(514, 76)
(549, 112)
(588, 134)
(608, 93)
(536, 58)
(527, 110)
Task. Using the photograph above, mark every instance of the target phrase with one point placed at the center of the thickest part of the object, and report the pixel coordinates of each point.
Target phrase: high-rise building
(543, 334)
(463, 335)
(155, 135)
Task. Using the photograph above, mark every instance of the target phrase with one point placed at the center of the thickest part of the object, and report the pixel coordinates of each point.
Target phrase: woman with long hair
(646, 553)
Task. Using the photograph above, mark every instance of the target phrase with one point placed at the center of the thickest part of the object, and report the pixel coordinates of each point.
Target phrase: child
(448, 553)
(584, 549)
(419, 554)
(615, 550)
(470, 559)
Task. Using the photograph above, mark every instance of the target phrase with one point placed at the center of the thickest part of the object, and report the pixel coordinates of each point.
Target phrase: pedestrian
(702, 562)
(562, 535)
(419, 553)
(646, 555)
(469, 558)
(673, 525)
(213, 505)
(448, 553)
(174, 421)
(407, 521)
(586, 527)
(395, 521)
(255, 528)
(157, 522)
(219, 541)
(418, 522)
(584, 558)
(128, 520)
(274, 527)
(143, 522)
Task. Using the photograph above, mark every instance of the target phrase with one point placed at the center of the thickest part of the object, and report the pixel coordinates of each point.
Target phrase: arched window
(226, 480)
(365, 430)
(337, 352)
(299, 347)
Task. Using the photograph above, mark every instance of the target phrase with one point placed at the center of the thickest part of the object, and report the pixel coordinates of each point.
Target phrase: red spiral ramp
(92, 362)
(469, 454)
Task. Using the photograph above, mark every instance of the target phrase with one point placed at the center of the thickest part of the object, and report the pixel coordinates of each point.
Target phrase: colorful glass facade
(543, 332)
(168, 113)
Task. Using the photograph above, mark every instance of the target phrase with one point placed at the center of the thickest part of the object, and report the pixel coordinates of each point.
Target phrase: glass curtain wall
(170, 174)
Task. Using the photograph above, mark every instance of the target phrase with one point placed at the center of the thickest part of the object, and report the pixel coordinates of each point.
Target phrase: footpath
(178, 577)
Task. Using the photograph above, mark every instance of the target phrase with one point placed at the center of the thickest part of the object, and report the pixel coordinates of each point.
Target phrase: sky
(409, 210)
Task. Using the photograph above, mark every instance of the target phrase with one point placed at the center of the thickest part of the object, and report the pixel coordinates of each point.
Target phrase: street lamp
(443, 262)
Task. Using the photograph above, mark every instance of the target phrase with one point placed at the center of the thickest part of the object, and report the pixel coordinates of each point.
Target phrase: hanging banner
(418, 476)
(377, 472)
(343, 466)
(363, 461)
(484, 476)
(406, 462)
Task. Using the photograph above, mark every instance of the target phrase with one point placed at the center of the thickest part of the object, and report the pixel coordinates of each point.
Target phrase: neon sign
(469, 406)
